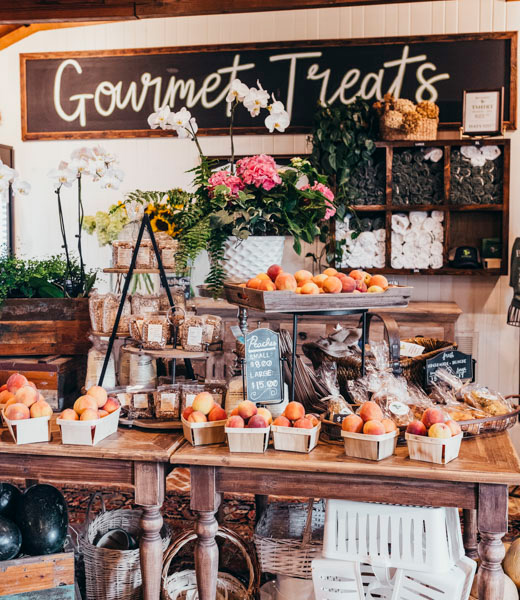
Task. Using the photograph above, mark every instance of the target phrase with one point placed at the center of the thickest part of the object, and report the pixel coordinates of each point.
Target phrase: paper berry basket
(434, 450)
(244, 439)
(204, 434)
(293, 439)
(371, 447)
(88, 433)
(29, 431)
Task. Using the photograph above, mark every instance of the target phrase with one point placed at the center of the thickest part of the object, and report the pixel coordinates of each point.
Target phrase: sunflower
(160, 224)
(150, 210)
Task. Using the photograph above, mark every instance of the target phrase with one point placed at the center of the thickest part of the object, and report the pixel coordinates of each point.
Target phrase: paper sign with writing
(263, 372)
(455, 362)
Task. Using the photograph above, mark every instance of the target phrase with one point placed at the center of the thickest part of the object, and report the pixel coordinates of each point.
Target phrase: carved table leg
(470, 532)
(492, 524)
(261, 502)
(205, 501)
(149, 494)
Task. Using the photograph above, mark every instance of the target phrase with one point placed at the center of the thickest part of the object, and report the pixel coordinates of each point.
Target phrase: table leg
(470, 532)
(261, 502)
(492, 525)
(205, 501)
(149, 494)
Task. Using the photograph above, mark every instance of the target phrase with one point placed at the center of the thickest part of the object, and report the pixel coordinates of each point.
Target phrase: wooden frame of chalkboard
(40, 121)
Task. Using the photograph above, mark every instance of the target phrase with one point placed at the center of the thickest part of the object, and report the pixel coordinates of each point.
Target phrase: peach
(366, 278)
(357, 275)
(375, 289)
(332, 285)
(454, 426)
(379, 280)
(99, 394)
(41, 396)
(263, 412)
(203, 403)
(370, 411)
(3, 387)
(234, 412)
(27, 395)
(353, 424)
(348, 284)
(17, 411)
(197, 417)
(235, 421)
(217, 413)
(361, 286)
(247, 409)
(310, 287)
(298, 290)
(313, 419)
(102, 413)
(5, 395)
(286, 281)
(439, 430)
(89, 414)
(303, 423)
(263, 277)
(84, 402)
(389, 425)
(431, 416)
(32, 384)
(302, 276)
(40, 409)
(256, 422)
(273, 271)
(416, 428)
(330, 272)
(254, 283)
(187, 412)
(322, 291)
(294, 411)
(111, 405)
(282, 421)
(374, 427)
(319, 280)
(12, 400)
(15, 382)
(267, 286)
(69, 415)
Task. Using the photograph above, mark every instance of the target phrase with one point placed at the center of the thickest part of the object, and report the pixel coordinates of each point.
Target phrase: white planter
(247, 258)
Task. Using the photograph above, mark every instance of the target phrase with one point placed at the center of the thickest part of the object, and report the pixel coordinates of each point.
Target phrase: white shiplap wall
(159, 163)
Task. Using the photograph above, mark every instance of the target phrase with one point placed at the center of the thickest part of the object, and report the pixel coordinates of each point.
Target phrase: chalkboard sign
(455, 362)
(263, 372)
(111, 93)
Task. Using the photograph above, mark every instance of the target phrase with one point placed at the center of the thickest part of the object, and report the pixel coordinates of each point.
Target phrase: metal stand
(145, 223)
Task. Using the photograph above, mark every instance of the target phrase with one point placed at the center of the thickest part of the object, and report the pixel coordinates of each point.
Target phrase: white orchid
(81, 166)
(99, 168)
(180, 118)
(237, 91)
(112, 179)
(83, 154)
(279, 121)
(160, 118)
(21, 188)
(62, 175)
(4, 186)
(6, 173)
(276, 107)
(256, 99)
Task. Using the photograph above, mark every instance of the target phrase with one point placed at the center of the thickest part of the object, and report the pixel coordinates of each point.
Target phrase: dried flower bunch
(403, 114)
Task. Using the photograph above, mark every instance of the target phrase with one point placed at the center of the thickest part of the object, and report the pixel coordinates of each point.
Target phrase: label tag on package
(263, 372)
(411, 350)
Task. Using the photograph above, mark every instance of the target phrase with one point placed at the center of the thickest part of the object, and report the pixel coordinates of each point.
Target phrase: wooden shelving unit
(464, 224)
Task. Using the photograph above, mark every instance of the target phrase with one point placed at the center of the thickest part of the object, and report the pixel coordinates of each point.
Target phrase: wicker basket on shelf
(401, 119)
(289, 536)
(426, 130)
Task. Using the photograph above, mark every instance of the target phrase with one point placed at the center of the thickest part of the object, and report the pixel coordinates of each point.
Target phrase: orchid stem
(80, 226)
(68, 274)
(232, 160)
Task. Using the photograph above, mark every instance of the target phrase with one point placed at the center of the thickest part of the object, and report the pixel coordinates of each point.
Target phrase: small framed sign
(483, 112)
(263, 371)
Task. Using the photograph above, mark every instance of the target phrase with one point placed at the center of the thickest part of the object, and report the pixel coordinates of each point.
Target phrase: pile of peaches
(21, 399)
(369, 420)
(203, 410)
(434, 424)
(294, 416)
(247, 414)
(94, 405)
(328, 282)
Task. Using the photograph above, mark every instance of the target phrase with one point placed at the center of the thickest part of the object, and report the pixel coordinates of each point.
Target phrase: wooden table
(129, 460)
(477, 482)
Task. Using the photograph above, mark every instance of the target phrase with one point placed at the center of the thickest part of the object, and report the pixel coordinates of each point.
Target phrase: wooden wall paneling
(421, 18)
(391, 19)
(486, 15)
(439, 17)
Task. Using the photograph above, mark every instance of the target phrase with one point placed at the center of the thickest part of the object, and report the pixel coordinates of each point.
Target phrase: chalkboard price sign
(263, 372)
(455, 362)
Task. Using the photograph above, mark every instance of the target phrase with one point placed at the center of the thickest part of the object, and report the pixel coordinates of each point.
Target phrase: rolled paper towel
(400, 223)
(422, 262)
(380, 235)
(366, 240)
(380, 248)
(409, 249)
(428, 224)
(396, 239)
(437, 215)
(417, 217)
(411, 236)
(436, 249)
(397, 262)
(379, 261)
(436, 261)
(438, 230)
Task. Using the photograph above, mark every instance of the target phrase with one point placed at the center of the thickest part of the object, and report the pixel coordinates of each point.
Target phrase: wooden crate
(203, 434)
(38, 326)
(293, 439)
(49, 577)
(434, 450)
(248, 440)
(58, 378)
(371, 447)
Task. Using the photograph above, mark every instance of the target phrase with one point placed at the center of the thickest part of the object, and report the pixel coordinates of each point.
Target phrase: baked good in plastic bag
(490, 401)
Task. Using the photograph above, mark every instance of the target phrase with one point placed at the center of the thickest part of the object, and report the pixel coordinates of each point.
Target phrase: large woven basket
(113, 574)
(182, 585)
(289, 537)
(426, 130)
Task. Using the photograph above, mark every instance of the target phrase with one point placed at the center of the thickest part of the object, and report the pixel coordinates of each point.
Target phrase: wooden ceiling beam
(10, 34)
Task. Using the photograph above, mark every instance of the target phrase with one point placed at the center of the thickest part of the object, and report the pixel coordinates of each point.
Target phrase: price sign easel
(263, 372)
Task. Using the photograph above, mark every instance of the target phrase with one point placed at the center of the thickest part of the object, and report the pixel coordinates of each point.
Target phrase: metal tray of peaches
(281, 301)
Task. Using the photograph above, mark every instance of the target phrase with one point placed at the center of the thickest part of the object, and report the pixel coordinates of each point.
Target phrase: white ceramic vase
(247, 258)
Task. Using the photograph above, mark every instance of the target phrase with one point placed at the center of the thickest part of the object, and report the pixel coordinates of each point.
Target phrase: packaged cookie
(394, 407)
(167, 401)
(155, 332)
(123, 397)
(188, 393)
(95, 308)
(110, 307)
(489, 401)
(191, 334)
(212, 329)
(144, 255)
(145, 304)
(122, 254)
(141, 403)
(217, 388)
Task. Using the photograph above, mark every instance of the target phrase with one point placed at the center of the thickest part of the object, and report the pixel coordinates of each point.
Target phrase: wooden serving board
(151, 424)
(290, 302)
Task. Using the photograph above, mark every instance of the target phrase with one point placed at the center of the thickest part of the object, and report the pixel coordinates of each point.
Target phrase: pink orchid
(259, 171)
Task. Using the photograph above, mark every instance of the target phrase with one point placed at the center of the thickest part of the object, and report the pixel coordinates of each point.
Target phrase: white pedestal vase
(247, 258)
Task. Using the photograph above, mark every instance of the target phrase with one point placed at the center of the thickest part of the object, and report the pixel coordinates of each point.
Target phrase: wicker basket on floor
(289, 536)
(113, 574)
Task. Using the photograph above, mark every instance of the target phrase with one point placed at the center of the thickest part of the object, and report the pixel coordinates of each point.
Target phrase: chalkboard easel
(262, 369)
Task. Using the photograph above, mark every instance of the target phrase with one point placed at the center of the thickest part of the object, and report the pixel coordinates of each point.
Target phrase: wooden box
(37, 326)
(49, 577)
(203, 434)
(371, 447)
(248, 440)
(434, 450)
(293, 439)
(58, 378)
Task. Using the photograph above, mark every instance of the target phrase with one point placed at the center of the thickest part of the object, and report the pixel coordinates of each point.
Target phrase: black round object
(10, 539)
(43, 520)
(9, 498)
